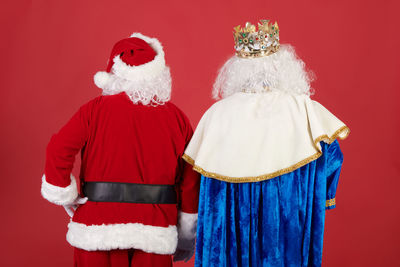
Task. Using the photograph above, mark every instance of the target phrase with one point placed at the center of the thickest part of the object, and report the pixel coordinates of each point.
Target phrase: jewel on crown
(250, 42)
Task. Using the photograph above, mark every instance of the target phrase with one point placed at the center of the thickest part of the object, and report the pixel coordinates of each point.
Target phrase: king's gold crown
(250, 42)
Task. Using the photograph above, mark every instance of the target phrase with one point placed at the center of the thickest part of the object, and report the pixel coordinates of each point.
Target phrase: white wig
(154, 91)
(282, 71)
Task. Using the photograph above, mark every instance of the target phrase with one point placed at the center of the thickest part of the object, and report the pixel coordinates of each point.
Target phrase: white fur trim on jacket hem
(151, 239)
(59, 195)
(187, 226)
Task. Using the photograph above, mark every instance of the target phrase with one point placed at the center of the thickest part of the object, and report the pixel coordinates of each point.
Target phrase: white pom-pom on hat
(101, 78)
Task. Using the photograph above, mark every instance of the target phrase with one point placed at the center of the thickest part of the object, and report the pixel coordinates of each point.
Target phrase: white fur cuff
(151, 239)
(59, 195)
(187, 226)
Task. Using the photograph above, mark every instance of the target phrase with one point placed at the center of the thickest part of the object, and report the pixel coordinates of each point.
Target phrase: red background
(49, 51)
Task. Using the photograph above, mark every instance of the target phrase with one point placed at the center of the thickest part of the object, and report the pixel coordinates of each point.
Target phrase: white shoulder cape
(253, 137)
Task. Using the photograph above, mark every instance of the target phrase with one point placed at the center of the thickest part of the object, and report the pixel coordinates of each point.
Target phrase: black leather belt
(130, 193)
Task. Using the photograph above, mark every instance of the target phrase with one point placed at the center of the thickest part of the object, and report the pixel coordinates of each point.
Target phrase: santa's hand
(183, 255)
(71, 208)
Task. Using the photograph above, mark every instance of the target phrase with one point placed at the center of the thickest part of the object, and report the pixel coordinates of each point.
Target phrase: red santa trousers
(120, 258)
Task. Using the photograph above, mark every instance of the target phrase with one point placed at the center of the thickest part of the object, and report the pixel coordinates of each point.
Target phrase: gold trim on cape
(326, 138)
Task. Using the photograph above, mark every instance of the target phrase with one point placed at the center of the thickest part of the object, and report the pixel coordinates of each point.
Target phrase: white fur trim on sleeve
(59, 195)
(187, 226)
(151, 239)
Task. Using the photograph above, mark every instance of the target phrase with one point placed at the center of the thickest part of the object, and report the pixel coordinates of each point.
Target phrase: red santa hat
(136, 58)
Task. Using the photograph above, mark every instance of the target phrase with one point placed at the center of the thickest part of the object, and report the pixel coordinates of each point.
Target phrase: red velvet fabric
(133, 51)
(119, 258)
(125, 142)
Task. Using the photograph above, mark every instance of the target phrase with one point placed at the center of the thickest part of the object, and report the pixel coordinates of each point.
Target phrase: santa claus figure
(139, 199)
(269, 159)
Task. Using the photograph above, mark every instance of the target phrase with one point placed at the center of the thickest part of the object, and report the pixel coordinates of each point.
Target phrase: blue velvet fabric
(276, 222)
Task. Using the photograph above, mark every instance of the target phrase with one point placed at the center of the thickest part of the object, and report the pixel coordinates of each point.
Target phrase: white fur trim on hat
(151, 239)
(187, 225)
(59, 195)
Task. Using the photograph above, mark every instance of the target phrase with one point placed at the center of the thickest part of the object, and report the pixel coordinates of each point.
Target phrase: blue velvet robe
(276, 222)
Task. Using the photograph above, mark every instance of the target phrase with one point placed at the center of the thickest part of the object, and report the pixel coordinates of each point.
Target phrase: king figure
(269, 159)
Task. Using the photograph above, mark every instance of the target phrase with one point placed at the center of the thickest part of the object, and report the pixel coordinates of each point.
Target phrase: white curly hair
(281, 71)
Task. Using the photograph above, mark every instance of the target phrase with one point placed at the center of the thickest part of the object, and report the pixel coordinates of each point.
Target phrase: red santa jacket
(130, 143)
